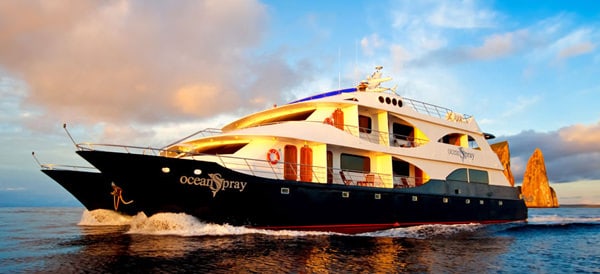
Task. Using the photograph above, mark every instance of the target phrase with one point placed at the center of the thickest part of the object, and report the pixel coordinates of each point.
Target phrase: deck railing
(436, 111)
(263, 168)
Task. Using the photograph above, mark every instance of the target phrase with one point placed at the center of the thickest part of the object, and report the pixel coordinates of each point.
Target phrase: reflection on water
(109, 249)
(105, 243)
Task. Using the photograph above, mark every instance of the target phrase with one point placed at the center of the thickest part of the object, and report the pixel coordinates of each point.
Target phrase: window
(220, 149)
(469, 175)
(364, 124)
(355, 162)
(478, 176)
(458, 175)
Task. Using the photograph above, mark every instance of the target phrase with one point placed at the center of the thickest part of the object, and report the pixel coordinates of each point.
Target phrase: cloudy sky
(149, 72)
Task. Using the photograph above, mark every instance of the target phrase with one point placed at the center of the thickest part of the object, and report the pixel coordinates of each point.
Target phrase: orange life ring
(328, 121)
(273, 156)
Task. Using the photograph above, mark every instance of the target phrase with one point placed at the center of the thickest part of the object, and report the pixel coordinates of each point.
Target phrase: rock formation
(536, 189)
(501, 149)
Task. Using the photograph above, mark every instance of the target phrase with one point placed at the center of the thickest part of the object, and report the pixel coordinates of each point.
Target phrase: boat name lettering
(216, 183)
(461, 153)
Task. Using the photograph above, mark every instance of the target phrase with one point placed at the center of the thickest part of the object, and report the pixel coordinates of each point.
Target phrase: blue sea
(74, 240)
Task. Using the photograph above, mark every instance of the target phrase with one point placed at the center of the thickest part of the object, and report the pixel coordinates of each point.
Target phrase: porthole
(388, 100)
(285, 190)
(381, 100)
(415, 198)
(445, 200)
(394, 101)
(481, 202)
(377, 196)
(197, 171)
(345, 194)
(399, 103)
(467, 201)
(166, 170)
(500, 203)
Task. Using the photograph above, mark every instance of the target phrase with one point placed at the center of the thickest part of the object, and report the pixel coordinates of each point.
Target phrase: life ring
(328, 121)
(273, 156)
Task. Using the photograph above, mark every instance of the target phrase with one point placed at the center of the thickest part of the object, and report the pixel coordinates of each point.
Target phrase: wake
(181, 224)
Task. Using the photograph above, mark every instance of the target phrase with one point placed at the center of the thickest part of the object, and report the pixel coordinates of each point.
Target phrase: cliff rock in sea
(501, 149)
(536, 189)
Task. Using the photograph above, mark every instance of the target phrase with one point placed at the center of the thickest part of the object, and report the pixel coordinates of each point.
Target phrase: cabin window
(355, 162)
(478, 176)
(400, 168)
(469, 175)
(295, 116)
(220, 149)
(364, 124)
(458, 175)
(453, 139)
(403, 135)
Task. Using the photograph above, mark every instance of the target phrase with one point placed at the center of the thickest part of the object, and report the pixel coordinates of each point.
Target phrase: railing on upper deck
(436, 111)
(202, 133)
(383, 137)
(263, 168)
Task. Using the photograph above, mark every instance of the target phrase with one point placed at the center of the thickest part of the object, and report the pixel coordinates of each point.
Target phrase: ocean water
(73, 240)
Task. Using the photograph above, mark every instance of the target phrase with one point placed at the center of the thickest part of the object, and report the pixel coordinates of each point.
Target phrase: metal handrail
(67, 167)
(260, 167)
(384, 137)
(434, 110)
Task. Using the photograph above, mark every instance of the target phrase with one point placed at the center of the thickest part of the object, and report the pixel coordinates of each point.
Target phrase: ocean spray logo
(216, 183)
(461, 153)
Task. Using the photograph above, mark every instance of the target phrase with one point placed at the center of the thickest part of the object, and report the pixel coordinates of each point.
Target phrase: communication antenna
(339, 68)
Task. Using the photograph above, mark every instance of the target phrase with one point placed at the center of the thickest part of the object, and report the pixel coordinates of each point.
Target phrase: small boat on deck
(353, 160)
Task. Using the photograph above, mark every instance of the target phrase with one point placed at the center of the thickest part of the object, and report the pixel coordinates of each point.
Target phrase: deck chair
(346, 181)
(404, 182)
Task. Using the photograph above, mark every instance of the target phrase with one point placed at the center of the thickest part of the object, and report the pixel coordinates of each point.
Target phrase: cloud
(499, 45)
(370, 44)
(461, 15)
(571, 153)
(139, 61)
(576, 50)
(451, 15)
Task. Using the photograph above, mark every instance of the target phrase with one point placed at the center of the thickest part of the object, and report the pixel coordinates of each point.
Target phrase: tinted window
(478, 176)
(458, 175)
(355, 162)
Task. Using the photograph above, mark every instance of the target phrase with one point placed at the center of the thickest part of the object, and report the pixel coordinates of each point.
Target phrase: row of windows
(469, 175)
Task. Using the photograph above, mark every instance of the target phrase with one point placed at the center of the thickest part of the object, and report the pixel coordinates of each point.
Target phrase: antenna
(339, 68)
(69, 134)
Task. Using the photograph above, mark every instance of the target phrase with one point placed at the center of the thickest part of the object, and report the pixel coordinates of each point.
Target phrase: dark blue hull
(91, 189)
(213, 193)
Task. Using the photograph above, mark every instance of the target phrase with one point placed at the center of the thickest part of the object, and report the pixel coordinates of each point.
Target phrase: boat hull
(216, 194)
(91, 189)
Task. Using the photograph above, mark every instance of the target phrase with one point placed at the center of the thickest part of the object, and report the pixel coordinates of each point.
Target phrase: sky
(150, 72)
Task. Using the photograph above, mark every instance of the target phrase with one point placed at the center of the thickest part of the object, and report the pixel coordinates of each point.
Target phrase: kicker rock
(536, 189)
(501, 149)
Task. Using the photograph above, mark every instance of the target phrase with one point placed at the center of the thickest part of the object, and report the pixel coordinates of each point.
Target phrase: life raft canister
(273, 156)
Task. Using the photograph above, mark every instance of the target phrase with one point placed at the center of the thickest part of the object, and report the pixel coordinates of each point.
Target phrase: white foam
(426, 231)
(103, 217)
(186, 225)
(182, 224)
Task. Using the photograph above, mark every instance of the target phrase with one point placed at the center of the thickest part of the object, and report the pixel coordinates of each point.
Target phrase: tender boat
(350, 161)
